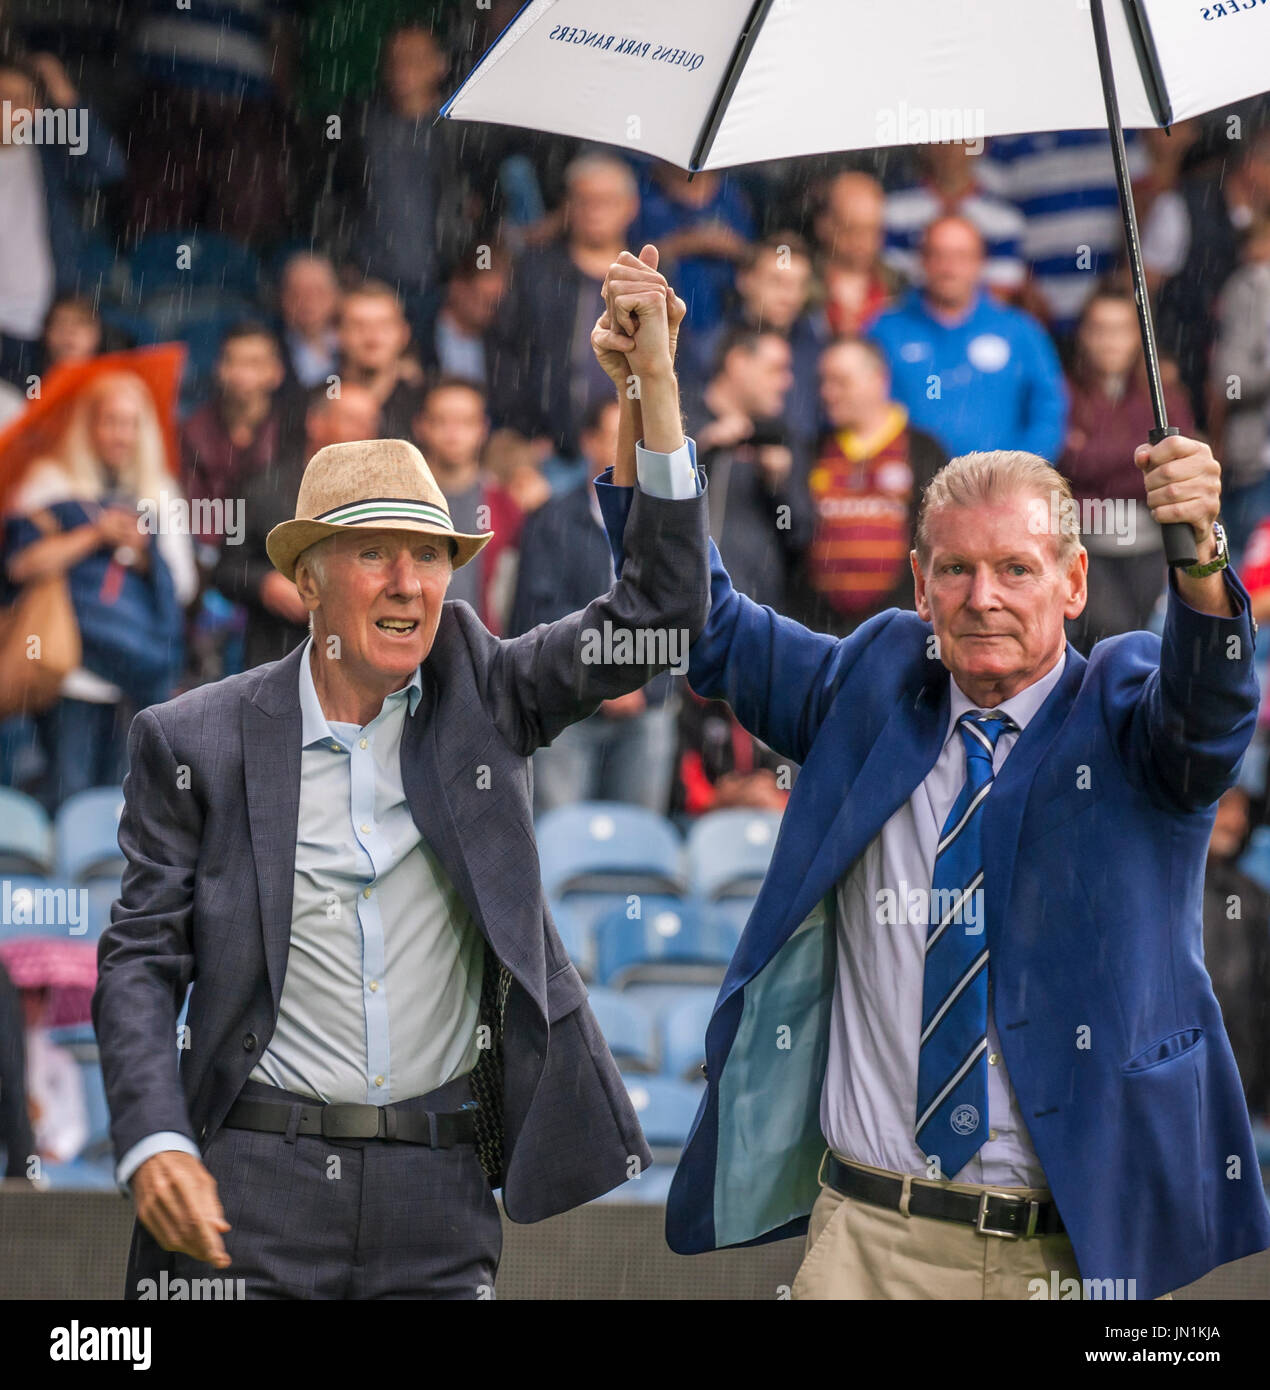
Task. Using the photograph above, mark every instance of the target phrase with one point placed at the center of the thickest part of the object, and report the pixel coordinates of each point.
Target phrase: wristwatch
(1218, 562)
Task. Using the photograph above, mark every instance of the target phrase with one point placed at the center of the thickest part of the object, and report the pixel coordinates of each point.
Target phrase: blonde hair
(145, 474)
(974, 479)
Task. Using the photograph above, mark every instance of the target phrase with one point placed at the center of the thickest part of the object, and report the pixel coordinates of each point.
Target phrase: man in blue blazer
(968, 1030)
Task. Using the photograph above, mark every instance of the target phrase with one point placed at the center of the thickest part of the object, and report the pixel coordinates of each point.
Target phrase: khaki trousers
(856, 1250)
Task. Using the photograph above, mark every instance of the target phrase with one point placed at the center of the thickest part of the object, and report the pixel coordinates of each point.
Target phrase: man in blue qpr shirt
(974, 373)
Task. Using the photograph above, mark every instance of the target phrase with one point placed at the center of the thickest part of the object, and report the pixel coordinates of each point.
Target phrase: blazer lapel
(272, 730)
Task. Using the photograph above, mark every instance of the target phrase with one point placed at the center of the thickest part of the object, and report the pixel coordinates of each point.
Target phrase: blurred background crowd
(267, 184)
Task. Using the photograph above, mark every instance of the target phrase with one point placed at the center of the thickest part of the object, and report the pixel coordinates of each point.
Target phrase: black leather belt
(341, 1121)
(990, 1213)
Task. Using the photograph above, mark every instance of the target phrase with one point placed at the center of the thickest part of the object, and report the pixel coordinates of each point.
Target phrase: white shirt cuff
(164, 1140)
(670, 476)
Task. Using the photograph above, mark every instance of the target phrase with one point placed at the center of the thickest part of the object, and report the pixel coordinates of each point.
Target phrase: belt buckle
(350, 1121)
(1033, 1215)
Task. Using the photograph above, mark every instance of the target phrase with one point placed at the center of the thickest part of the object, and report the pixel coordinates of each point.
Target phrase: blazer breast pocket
(1171, 1048)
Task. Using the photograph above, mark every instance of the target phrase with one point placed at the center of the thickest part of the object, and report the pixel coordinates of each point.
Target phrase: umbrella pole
(1179, 539)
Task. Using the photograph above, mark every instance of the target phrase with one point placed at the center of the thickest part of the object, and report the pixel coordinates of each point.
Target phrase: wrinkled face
(373, 332)
(116, 429)
(996, 594)
(952, 261)
(248, 368)
(309, 297)
(600, 206)
(71, 335)
(452, 427)
(763, 377)
(852, 385)
(380, 593)
(775, 292)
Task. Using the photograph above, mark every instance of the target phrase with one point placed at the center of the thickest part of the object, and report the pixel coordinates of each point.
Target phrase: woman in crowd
(100, 512)
(1110, 416)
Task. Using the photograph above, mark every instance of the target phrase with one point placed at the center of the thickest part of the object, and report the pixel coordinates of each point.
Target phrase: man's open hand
(177, 1203)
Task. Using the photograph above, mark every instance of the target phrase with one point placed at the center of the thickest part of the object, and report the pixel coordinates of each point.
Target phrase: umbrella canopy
(707, 86)
(36, 432)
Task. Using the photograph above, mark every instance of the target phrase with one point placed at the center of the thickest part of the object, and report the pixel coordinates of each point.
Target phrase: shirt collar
(315, 728)
(1022, 708)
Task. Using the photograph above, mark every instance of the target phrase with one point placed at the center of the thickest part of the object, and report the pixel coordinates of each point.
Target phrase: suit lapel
(272, 732)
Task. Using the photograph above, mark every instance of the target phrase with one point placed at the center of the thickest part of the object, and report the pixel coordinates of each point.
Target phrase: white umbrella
(715, 83)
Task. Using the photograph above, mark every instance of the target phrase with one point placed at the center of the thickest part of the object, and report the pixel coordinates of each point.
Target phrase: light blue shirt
(868, 1107)
(374, 917)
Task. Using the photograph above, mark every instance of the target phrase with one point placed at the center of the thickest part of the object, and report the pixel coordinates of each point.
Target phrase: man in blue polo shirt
(974, 373)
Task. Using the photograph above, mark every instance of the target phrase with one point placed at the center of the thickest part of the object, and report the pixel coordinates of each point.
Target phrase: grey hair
(598, 162)
(315, 556)
(973, 479)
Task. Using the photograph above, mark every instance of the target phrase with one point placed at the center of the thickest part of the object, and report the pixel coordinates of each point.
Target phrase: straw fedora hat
(379, 484)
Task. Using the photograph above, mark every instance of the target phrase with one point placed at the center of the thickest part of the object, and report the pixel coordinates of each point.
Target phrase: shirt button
(365, 892)
(365, 829)
(379, 1081)
(335, 748)
(362, 744)
(992, 1134)
(374, 985)
(992, 1056)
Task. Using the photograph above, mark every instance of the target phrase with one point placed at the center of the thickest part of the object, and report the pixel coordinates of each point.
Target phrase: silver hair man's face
(997, 591)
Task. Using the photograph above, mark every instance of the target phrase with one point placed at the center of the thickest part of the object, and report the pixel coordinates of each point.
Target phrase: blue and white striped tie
(952, 1068)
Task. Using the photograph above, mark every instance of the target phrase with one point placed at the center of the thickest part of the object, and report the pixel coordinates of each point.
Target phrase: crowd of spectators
(853, 321)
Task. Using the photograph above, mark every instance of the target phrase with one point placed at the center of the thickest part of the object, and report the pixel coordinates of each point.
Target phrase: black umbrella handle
(1179, 539)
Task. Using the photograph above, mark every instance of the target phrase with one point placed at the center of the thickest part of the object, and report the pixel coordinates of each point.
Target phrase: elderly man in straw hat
(338, 849)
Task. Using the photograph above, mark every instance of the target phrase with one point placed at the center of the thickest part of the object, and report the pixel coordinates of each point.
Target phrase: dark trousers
(351, 1218)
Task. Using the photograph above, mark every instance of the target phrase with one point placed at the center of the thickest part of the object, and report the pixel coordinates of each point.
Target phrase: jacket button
(249, 1042)
(705, 1071)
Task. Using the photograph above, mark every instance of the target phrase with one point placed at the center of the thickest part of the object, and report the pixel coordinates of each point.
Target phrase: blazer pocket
(1168, 1049)
(565, 993)
(1058, 810)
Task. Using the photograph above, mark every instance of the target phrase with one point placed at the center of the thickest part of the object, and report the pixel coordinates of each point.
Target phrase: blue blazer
(1095, 840)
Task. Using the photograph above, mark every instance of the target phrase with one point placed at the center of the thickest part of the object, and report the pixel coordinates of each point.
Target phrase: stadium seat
(651, 1187)
(729, 851)
(666, 1108)
(102, 893)
(26, 838)
(87, 834)
(575, 933)
(608, 846)
(683, 1031)
(672, 941)
(628, 1030)
(216, 263)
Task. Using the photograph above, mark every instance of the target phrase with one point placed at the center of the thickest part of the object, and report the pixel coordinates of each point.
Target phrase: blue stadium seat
(587, 911)
(80, 1175)
(87, 834)
(575, 933)
(684, 1024)
(666, 1108)
(672, 941)
(729, 851)
(608, 846)
(628, 1030)
(102, 893)
(651, 1188)
(26, 910)
(26, 838)
(732, 913)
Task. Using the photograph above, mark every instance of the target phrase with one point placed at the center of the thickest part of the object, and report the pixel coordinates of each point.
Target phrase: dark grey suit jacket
(209, 831)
